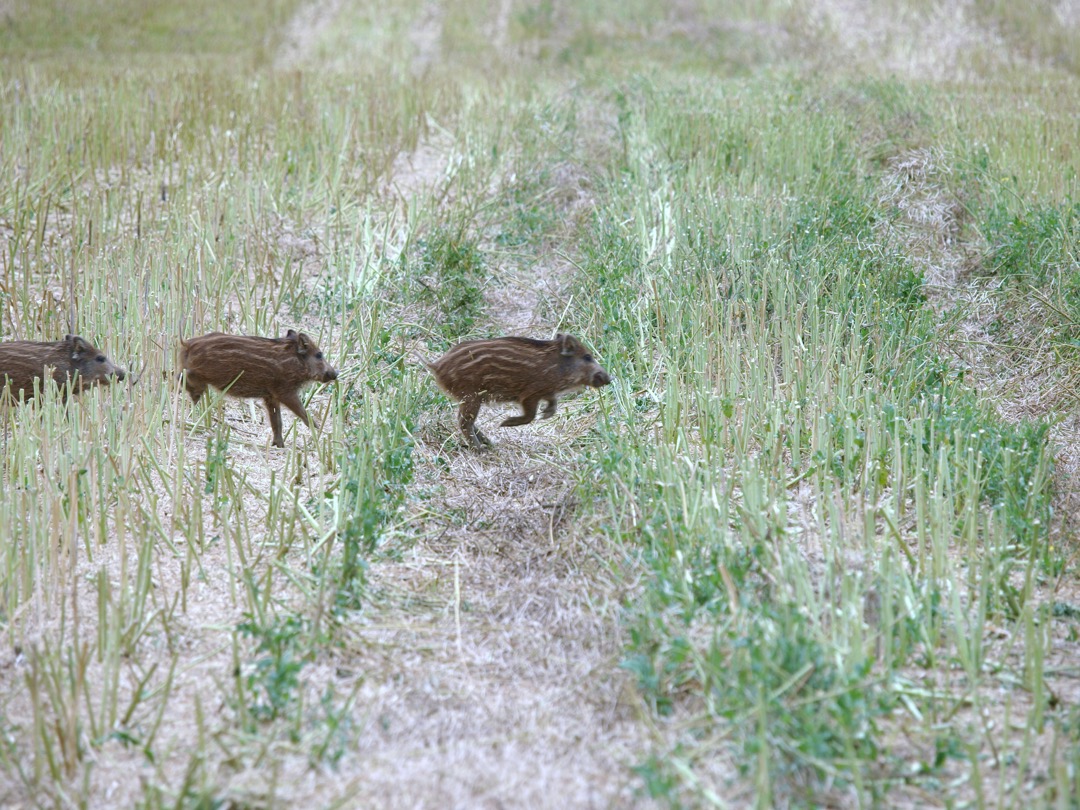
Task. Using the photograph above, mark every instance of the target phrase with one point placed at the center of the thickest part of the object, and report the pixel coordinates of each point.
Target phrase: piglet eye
(101, 358)
(587, 358)
(318, 355)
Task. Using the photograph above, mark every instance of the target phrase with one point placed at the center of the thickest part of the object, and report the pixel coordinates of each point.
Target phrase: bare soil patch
(303, 31)
(937, 42)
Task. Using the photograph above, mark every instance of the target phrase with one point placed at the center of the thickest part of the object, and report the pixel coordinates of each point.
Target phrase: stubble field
(814, 546)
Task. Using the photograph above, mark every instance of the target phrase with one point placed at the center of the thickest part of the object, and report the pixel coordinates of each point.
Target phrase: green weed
(450, 272)
(271, 683)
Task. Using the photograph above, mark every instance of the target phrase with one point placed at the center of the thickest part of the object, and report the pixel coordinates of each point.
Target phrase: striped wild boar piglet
(73, 358)
(514, 369)
(271, 369)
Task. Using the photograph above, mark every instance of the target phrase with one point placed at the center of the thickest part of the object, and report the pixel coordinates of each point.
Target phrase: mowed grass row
(839, 529)
(850, 583)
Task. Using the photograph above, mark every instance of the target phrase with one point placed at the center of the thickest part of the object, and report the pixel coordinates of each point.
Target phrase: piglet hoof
(480, 442)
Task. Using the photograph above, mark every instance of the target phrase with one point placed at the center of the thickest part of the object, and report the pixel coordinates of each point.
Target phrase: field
(816, 546)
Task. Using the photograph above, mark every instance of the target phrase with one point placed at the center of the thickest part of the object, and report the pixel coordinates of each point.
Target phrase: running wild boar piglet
(273, 369)
(514, 369)
(73, 358)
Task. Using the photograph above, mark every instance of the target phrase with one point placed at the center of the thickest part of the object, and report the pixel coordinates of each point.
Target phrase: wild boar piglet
(514, 369)
(74, 358)
(271, 369)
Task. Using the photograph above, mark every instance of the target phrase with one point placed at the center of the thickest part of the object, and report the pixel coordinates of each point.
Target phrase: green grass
(143, 33)
(846, 571)
(808, 364)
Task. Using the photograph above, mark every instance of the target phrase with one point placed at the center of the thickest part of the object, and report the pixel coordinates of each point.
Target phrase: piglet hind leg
(467, 413)
(273, 408)
(194, 385)
(549, 408)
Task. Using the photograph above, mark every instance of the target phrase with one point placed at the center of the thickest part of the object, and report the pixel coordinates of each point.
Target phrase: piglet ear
(303, 344)
(566, 344)
(77, 346)
(298, 338)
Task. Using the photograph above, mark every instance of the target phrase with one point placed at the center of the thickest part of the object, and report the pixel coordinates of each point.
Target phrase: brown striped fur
(514, 369)
(273, 369)
(74, 358)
